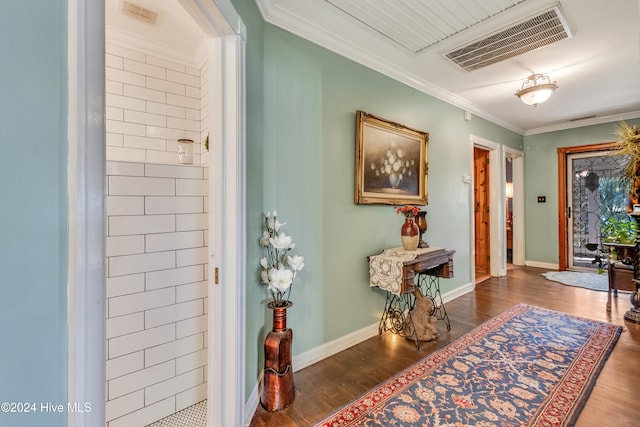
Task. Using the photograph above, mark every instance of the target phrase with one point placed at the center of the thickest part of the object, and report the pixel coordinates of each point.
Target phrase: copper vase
(277, 387)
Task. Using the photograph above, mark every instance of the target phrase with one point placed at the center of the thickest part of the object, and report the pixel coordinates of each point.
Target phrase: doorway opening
(87, 61)
(514, 208)
(487, 208)
(482, 213)
(509, 210)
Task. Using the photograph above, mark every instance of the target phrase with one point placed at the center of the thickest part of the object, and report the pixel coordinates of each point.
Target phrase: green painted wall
(33, 218)
(300, 156)
(541, 179)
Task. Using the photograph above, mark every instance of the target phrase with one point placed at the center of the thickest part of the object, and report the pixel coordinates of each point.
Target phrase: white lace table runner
(385, 270)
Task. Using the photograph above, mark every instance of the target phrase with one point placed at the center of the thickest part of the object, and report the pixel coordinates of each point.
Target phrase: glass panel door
(596, 199)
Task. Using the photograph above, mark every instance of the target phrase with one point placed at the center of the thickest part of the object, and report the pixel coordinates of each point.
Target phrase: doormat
(526, 366)
(593, 281)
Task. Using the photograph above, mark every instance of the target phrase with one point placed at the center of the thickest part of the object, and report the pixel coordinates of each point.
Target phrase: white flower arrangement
(394, 164)
(278, 267)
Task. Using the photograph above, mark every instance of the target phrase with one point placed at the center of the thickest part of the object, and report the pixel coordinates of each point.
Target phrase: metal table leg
(397, 315)
(430, 288)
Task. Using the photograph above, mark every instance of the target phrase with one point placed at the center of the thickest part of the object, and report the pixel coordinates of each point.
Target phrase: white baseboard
(458, 292)
(314, 355)
(323, 351)
(252, 402)
(547, 265)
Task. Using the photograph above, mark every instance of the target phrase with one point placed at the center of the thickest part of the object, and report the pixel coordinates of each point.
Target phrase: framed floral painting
(391, 162)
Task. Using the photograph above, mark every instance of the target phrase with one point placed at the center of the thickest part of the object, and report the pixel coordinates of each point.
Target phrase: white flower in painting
(394, 161)
(280, 279)
(282, 241)
(267, 214)
(296, 262)
(263, 262)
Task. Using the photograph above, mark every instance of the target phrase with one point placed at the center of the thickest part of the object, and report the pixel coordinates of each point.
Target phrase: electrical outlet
(542, 199)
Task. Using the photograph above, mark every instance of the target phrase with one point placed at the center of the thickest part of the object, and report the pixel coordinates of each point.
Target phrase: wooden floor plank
(335, 381)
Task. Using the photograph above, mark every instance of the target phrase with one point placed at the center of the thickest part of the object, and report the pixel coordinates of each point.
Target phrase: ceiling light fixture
(535, 93)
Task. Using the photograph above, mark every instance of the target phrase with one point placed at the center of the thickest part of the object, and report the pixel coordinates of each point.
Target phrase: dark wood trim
(563, 152)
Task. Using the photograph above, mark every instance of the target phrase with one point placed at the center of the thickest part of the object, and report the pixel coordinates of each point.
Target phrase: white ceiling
(175, 33)
(597, 70)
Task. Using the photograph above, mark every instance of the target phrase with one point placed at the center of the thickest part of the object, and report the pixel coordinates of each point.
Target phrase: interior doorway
(509, 209)
(226, 50)
(482, 213)
(514, 208)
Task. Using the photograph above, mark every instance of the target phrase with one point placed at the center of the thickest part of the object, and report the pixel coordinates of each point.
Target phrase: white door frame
(496, 207)
(517, 176)
(86, 322)
(227, 249)
(226, 302)
(86, 177)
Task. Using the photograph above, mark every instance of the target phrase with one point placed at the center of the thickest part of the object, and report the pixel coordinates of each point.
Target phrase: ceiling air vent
(140, 13)
(540, 30)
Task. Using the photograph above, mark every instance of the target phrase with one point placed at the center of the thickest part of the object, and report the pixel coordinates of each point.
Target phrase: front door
(596, 198)
(481, 212)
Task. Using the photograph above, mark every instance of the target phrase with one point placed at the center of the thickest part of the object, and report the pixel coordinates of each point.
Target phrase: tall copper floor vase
(277, 387)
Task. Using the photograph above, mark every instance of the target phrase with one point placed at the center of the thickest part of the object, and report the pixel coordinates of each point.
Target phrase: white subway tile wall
(151, 103)
(156, 286)
(204, 112)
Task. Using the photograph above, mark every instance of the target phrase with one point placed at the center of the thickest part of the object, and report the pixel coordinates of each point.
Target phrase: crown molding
(308, 30)
(583, 123)
(153, 47)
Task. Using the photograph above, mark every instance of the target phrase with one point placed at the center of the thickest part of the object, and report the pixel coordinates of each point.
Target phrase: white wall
(156, 237)
(151, 102)
(156, 291)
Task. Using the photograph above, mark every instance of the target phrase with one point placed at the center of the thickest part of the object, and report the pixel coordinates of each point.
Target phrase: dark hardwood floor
(335, 381)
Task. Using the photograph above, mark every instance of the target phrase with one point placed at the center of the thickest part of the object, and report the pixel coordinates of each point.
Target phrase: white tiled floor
(193, 416)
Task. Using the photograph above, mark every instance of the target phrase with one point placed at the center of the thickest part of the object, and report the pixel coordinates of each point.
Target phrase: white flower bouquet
(279, 268)
(394, 165)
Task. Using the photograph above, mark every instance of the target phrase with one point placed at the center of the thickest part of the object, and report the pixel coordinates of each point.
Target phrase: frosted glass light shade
(535, 94)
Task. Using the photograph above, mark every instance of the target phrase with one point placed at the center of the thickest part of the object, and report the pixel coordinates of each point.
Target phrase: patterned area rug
(528, 366)
(593, 281)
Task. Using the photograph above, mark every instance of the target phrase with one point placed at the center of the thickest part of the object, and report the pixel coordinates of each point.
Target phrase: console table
(395, 271)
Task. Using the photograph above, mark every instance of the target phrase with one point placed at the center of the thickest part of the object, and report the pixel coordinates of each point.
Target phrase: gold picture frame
(391, 162)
